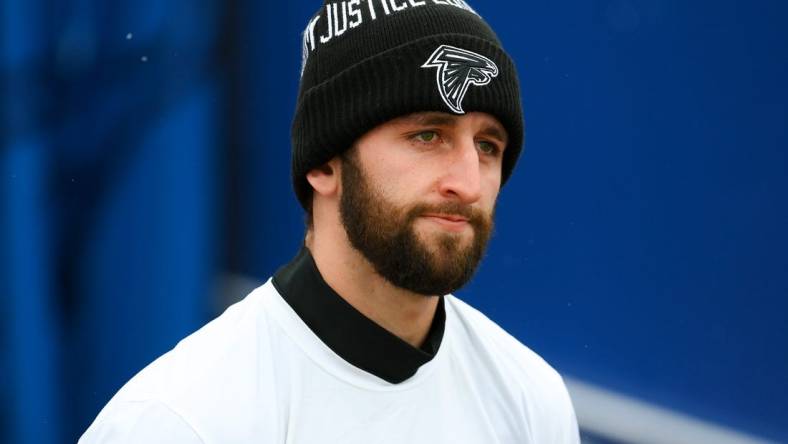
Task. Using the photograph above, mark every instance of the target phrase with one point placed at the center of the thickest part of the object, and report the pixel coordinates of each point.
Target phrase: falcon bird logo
(457, 70)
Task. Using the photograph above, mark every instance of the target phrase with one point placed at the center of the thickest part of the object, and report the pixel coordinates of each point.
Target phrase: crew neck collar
(348, 333)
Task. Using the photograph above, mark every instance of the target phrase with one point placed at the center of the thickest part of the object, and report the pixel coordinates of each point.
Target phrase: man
(408, 123)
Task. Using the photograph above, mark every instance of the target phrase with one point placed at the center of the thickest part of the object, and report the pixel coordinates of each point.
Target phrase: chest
(439, 410)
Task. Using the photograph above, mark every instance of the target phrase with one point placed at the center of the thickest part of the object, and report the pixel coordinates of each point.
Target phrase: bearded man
(406, 127)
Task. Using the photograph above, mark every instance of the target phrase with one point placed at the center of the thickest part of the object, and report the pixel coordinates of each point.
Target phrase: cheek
(399, 182)
(491, 184)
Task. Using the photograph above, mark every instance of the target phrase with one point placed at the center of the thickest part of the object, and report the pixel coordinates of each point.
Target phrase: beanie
(366, 62)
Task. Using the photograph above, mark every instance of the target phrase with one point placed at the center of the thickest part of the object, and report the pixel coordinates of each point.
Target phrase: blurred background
(641, 247)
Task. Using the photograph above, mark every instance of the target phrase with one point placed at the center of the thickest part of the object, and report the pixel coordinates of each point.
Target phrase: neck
(403, 313)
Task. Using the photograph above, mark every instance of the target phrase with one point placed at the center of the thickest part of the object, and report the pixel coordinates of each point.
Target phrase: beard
(385, 234)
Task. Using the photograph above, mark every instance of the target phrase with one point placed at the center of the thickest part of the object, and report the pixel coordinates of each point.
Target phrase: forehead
(445, 119)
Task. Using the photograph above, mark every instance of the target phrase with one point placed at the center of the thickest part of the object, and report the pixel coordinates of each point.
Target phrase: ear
(325, 180)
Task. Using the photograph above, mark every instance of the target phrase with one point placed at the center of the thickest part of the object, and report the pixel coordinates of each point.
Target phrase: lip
(450, 222)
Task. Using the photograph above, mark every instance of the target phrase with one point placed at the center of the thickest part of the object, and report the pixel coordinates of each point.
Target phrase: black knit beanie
(369, 61)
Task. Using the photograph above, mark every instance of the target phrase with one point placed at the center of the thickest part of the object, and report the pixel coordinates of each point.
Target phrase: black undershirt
(350, 334)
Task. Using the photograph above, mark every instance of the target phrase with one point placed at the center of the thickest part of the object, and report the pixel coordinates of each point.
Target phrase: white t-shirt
(258, 374)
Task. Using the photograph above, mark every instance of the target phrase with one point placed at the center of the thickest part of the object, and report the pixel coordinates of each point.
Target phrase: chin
(442, 242)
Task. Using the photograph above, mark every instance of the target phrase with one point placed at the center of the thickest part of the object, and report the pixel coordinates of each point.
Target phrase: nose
(462, 179)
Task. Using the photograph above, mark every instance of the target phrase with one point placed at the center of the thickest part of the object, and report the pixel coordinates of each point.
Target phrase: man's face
(418, 196)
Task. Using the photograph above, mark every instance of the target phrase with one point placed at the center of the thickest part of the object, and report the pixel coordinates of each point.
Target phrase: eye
(426, 136)
(488, 148)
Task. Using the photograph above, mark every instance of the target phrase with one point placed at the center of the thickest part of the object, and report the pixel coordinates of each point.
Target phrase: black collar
(350, 334)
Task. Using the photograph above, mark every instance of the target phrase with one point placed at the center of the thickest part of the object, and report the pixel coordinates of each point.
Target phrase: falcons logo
(457, 70)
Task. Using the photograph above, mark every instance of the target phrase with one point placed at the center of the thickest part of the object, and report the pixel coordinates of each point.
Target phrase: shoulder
(236, 336)
(201, 384)
(506, 350)
(150, 421)
(527, 379)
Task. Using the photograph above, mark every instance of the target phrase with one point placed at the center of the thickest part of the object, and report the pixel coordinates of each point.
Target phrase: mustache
(475, 216)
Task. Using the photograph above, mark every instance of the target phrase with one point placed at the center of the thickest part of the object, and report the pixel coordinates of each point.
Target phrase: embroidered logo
(458, 69)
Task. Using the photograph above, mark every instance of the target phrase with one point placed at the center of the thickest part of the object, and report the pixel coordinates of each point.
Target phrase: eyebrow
(432, 119)
(496, 132)
(440, 119)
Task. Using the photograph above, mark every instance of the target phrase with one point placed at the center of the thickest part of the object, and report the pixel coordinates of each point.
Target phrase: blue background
(640, 246)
